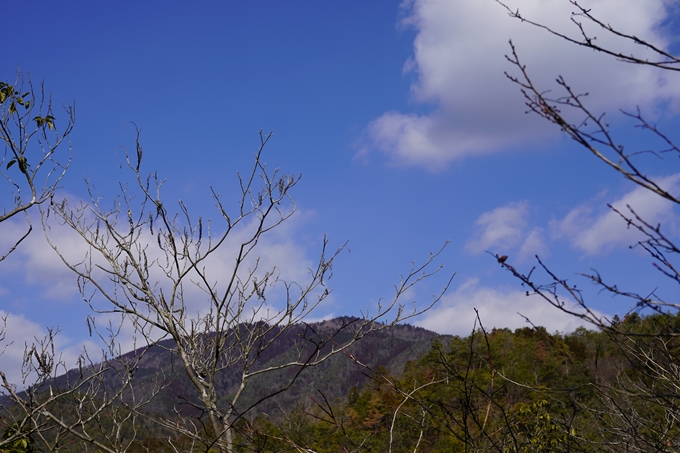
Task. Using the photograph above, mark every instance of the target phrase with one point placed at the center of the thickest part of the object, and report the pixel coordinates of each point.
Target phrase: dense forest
(500, 390)
(505, 391)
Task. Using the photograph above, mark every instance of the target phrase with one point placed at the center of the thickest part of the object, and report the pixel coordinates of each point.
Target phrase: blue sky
(398, 116)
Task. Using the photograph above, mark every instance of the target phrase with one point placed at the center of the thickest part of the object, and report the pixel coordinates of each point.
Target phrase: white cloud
(18, 336)
(596, 233)
(498, 308)
(459, 62)
(533, 245)
(35, 274)
(35, 263)
(501, 229)
(19, 331)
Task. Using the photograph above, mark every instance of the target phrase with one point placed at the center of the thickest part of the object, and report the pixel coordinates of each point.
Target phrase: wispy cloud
(20, 333)
(599, 231)
(498, 307)
(40, 277)
(534, 244)
(459, 64)
(38, 267)
(591, 227)
(500, 229)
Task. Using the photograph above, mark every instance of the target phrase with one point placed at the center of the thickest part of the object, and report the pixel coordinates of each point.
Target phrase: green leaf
(48, 120)
(10, 163)
(23, 164)
(12, 108)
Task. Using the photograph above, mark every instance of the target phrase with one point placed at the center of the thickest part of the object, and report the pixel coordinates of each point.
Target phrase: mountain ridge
(390, 347)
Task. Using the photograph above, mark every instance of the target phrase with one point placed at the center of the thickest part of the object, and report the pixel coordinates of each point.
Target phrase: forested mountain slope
(404, 388)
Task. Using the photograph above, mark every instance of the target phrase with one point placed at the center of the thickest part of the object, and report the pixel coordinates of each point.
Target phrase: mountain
(388, 347)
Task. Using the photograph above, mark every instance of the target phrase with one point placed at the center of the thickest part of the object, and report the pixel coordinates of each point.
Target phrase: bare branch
(29, 131)
(158, 269)
(667, 60)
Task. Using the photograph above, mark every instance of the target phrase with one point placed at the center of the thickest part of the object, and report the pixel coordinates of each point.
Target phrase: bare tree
(41, 410)
(202, 284)
(56, 407)
(641, 410)
(31, 136)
